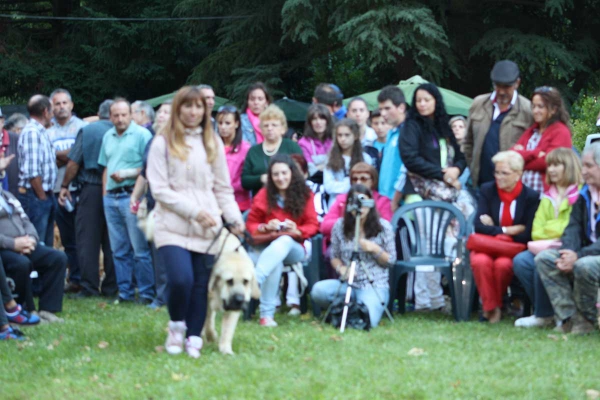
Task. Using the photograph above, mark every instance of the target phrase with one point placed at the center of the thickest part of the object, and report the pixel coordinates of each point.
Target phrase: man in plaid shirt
(37, 169)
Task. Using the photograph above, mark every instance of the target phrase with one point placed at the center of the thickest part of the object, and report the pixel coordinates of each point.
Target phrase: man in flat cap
(496, 121)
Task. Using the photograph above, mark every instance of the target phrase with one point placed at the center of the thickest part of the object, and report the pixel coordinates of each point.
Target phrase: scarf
(255, 121)
(507, 198)
(572, 193)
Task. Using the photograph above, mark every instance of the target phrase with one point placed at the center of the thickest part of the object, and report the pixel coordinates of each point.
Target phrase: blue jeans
(66, 226)
(324, 292)
(41, 213)
(525, 270)
(269, 266)
(131, 253)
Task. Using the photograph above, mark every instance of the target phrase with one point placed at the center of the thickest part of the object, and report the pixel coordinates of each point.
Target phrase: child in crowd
(381, 130)
(230, 130)
(316, 141)
(345, 153)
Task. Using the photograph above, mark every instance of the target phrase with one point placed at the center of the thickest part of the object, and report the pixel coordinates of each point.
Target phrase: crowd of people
(193, 168)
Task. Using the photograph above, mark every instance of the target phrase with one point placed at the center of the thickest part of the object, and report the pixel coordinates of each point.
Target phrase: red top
(556, 135)
(307, 223)
(336, 211)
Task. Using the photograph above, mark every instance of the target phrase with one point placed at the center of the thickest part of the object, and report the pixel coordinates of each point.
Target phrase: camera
(358, 201)
(281, 226)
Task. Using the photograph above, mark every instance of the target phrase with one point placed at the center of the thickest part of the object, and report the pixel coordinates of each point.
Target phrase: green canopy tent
(157, 101)
(295, 111)
(456, 104)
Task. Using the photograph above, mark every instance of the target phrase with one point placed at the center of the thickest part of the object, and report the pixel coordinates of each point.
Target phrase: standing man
(8, 148)
(143, 115)
(571, 275)
(37, 169)
(83, 167)
(62, 133)
(392, 107)
(331, 97)
(209, 96)
(122, 154)
(496, 121)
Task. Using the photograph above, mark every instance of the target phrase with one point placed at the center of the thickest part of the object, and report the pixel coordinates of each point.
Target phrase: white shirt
(497, 108)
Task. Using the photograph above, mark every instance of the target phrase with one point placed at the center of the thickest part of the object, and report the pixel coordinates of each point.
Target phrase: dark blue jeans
(66, 226)
(41, 213)
(187, 277)
(525, 270)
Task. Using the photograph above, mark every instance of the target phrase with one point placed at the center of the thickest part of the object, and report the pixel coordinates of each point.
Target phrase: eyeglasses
(230, 109)
(503, 173)
(543, 89)
(361, 179)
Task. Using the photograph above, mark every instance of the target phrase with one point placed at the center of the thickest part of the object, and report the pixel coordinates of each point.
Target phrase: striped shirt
(530, 178)
(341, 248)
(37, 156)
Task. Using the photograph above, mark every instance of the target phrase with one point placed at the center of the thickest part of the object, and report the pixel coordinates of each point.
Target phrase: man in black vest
(90, 225)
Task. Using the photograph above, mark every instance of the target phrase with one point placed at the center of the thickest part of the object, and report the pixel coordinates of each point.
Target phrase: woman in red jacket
(549, 131)
(284, 206)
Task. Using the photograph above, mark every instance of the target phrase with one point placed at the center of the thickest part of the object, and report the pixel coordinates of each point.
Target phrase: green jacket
(546, 224)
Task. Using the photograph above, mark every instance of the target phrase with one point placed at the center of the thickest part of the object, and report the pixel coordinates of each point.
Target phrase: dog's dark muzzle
(235, 303)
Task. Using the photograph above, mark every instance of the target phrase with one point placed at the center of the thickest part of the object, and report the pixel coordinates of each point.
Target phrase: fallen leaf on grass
(56, 342)
(275, 338)
(592, 394)
(336, 338)
(87, 359)
(110, 376)
(553, 337)
(94, 378)
(416, 352)
(159, 349)
(456, 384)
(271, 348)
(565, 338)
(87, 348)
(103, 344)
(308, 359)
(305, 317)
(56, 380)
(138, 386)
(50, 347)
(178, 377)
(102, 305)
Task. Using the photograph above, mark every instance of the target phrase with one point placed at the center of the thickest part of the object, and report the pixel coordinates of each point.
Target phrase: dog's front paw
(226, 350)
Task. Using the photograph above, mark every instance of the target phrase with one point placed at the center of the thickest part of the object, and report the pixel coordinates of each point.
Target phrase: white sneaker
(534, 322)
(193, 344)
(294, 312)
(268, 322)
(175, 338)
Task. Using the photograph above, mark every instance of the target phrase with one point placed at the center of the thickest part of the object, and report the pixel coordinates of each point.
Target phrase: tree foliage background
(292, 45)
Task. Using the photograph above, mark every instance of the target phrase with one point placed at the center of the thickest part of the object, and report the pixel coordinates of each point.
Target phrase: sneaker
(22, 317)
(294, 311)
(534, 322)
(193, 344)
(155, 305)
(49, 317)
(145, 301)
(268, 322)
(174, 343)
(581, 326)
(12, 334)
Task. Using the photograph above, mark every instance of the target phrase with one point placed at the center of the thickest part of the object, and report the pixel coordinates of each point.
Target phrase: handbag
(266, 238)
(358, 314)
(495, 246)
(537, 246)
(433, 189)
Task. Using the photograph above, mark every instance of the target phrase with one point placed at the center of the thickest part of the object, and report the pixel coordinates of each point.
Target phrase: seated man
(571, 275)
(12, 313)
(21, 253)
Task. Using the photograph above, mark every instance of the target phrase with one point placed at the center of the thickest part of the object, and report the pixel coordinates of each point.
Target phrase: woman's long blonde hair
(174, 130)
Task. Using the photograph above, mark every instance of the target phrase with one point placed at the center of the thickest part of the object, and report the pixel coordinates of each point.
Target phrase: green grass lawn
(106, 351)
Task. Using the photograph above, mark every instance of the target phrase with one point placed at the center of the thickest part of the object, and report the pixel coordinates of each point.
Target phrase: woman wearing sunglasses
(549, 131)
(366, 175)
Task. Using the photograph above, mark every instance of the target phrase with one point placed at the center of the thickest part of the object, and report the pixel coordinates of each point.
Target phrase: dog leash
(226, 225)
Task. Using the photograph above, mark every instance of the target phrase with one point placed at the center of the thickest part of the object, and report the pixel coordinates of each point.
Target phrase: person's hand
(515, 230)
(263, 179)
(369, 246)
(116, 177)
(450, 175)
(567, 259)
(456, 185)
(25, 244)
(486, 220)
(5, 161)
(205, 220)
(343, 272)
(63, 196)
(238, 229)
(134, 205)
(273, 225)
(518, 147)
(289, 225)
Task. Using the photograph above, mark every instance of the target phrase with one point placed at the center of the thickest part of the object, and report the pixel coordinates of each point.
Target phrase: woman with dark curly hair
(377, 254)
(285, 206)
(433, 162)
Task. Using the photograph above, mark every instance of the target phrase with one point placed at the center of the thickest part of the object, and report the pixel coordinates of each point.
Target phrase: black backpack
(358, 315)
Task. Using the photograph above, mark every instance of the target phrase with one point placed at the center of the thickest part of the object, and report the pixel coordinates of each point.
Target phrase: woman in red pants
(506, 207)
